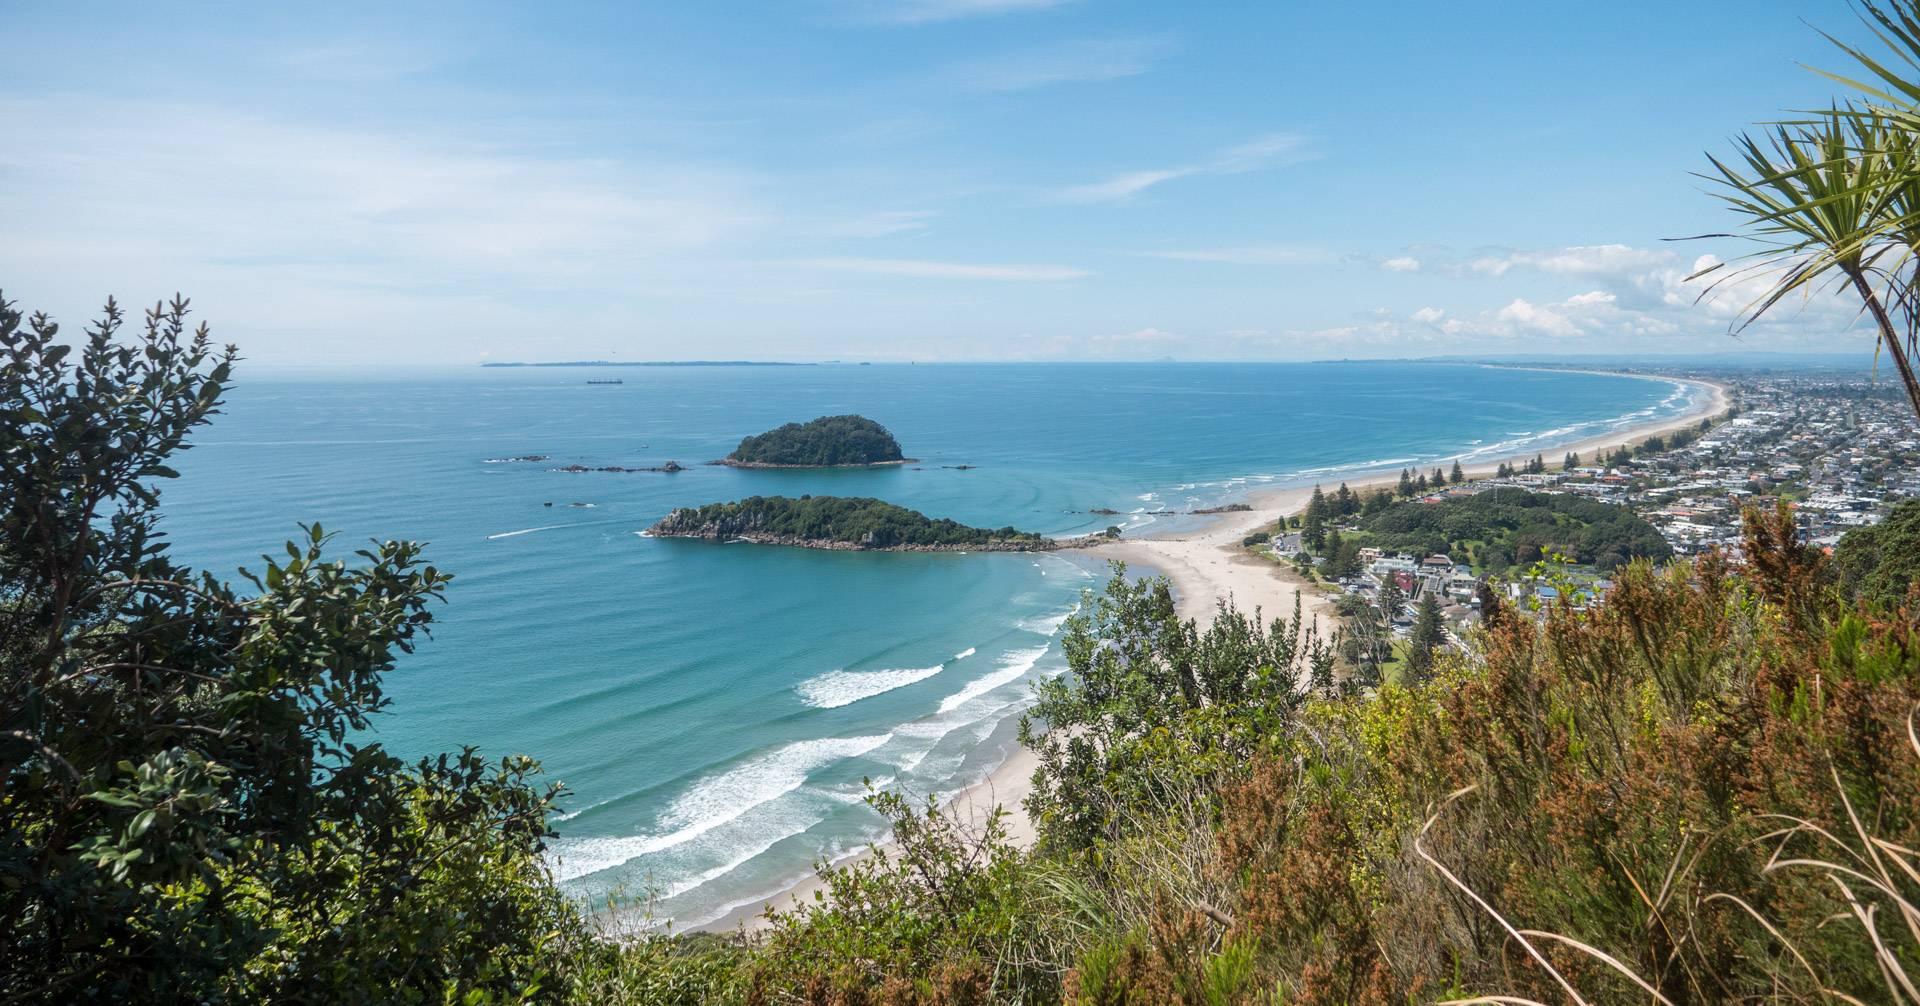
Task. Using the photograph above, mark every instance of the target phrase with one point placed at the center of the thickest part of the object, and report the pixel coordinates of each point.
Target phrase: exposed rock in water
(671, 466)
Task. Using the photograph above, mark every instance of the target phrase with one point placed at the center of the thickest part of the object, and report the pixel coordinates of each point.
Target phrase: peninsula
(842, 523)
(826, 442)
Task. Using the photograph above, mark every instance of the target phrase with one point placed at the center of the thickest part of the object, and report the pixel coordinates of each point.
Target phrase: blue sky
(896, 179)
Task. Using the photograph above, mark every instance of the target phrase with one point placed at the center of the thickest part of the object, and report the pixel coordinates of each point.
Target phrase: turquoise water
(714, 708)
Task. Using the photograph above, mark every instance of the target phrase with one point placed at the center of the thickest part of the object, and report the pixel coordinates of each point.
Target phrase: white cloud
(1065, 62)
(1429, 315)
(1404, 263)
(923, 269)
(1526, 317)
(1592, 297)
(1275, 150)
(1577, 260)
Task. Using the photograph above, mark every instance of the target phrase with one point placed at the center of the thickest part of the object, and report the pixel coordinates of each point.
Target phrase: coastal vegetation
(1502, 527)
(191, 808)
(1705, 790)
(826, 442)
(1879, 562)
(836, 522)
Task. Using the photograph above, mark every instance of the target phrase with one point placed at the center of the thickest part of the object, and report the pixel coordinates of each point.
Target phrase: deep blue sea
(714, 708)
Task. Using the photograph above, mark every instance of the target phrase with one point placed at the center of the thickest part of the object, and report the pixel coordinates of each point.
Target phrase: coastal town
(1840, 450)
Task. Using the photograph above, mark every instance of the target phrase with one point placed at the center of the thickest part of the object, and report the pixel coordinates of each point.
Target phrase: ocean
(718, 711)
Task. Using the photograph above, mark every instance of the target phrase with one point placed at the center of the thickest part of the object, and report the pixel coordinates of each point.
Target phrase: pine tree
(1458, 475)
(1420, 485)
(1425, 639)
(1572, 461)
(1406, 482)
(1345, 503)
(1439, 479)
(1313, 525)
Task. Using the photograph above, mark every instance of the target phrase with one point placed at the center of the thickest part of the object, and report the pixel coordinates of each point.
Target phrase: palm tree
(1832, 200)
(1836, 197)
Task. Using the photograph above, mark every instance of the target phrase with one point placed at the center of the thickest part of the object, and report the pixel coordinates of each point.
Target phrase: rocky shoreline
(730, 463)
(835, 545)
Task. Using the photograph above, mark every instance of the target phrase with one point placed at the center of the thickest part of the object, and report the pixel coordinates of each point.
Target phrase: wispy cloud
(1065, 62)
(227, 188)
(925, 269)
(926, 11)
(1270, 255)
(1576, 260)
(1271, 151)
(1402, 263)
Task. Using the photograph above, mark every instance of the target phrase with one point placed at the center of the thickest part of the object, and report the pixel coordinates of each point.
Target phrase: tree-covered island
(836, 522)
(826, 442)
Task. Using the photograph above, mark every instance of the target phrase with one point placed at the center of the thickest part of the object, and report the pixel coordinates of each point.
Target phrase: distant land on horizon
(1739, 359)
(653, 363)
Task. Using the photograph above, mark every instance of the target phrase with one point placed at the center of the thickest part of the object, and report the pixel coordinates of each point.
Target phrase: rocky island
(826, 442)
(837, 522)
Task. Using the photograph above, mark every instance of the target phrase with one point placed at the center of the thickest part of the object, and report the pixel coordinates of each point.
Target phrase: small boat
(613, 381)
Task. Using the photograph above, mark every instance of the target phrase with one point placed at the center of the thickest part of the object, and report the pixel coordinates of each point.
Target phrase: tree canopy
(1502, 526)
(190, 809)
(825, 442)
(862, 521)
(1882, 562)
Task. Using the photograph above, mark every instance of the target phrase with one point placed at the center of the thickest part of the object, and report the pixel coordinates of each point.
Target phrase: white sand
(1205, 567)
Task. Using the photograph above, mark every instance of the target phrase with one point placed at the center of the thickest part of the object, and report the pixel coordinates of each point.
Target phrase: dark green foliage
(862, 521)
(821, 443)
(1458, 475)
(189, 808)
(1313, 522)
(1345, 502)
(948, 913)
(1155, 702)
(1342, 557)
(1257, 538)
(1511, 522)
(1881, 563)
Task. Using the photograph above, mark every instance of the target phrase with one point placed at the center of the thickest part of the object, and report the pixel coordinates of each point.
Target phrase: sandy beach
(1205, 567)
